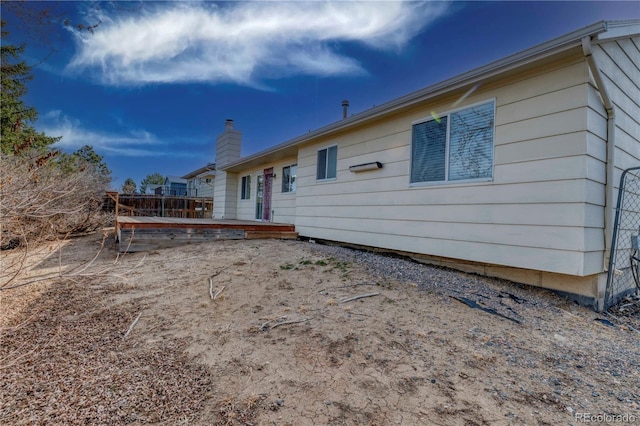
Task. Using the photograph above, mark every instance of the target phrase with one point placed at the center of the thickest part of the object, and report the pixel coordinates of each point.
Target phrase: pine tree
(129, 186)
(16, 131)
(86, 159)
(152, 179)
(44, 194)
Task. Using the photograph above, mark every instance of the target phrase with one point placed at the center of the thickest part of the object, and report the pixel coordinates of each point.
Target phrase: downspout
(610, 153)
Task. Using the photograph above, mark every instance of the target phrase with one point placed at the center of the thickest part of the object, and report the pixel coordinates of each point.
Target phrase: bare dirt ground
(281, 345)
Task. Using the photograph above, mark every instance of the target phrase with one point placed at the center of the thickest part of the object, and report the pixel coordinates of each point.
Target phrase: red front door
(268, 183)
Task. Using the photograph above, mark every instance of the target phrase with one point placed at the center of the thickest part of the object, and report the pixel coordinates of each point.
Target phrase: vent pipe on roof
(345, 106)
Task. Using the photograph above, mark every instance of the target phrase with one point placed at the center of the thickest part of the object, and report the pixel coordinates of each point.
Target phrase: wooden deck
(157, 205)
(140, 233)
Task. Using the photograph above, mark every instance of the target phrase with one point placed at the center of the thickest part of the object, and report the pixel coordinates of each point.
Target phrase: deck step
(138, 233)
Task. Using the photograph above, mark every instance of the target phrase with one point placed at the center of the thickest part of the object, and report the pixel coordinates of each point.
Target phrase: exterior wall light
(365, 166)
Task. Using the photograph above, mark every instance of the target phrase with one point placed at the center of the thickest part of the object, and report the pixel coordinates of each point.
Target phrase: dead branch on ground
(133, 324)
(279, 323)
(361, 296)
(219, 291)
(211, 295)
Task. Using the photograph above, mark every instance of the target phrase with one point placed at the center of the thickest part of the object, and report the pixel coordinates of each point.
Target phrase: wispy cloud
(243, 42)
(133, 143)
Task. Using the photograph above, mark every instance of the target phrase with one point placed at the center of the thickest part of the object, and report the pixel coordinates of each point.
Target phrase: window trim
(326, 148)
(245, 192)
(289, 183)
(448, 113)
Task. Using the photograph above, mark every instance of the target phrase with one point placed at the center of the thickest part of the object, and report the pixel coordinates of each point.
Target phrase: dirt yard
(143, 341)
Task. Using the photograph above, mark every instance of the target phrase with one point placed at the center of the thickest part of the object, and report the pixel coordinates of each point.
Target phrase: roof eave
(618, 29)
(211, 167)
(535, 53)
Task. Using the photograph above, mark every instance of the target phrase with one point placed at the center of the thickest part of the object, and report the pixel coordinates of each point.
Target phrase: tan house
(508, 170)
(200, 182)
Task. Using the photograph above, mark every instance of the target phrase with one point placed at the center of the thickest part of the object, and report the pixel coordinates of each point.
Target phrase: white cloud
(134, 143)
(203, 42)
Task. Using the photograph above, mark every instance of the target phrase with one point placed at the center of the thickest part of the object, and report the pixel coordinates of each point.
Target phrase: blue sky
(151, 87)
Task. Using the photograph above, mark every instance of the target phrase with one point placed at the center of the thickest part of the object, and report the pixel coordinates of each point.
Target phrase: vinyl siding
(202, 188)
(541, 210)
(224, 195)
(619, 62)
(283, 204)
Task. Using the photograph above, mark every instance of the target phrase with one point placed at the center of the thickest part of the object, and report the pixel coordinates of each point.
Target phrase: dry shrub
(41, 201)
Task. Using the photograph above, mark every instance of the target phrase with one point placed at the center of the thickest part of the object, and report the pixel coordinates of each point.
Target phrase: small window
(246, 188)
(454, 147)
(327, 163)
(208, 180)
(289, 178)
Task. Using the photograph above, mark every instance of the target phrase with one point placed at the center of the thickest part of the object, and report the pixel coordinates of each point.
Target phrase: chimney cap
(345, 102)
(228, 124)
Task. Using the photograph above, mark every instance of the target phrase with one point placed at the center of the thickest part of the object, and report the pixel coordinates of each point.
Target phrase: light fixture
(365, 166)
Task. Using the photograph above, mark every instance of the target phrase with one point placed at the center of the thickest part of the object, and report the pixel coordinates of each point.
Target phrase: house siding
(619, 64)
(540, 211)
(226, 196)
(198, 187)
(539, 219)
(283, 204)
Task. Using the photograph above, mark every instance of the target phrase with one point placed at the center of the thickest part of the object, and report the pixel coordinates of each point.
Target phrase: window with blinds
(455, 146)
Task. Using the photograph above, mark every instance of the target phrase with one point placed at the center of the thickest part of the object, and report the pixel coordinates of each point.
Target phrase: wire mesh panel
(624, 262)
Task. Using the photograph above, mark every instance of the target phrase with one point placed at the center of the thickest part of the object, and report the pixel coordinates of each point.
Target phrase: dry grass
(64, 361)
(278, 347)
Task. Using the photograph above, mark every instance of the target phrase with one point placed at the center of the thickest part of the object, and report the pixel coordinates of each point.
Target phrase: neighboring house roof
(600, 31)
(209, 169)
(174, 179)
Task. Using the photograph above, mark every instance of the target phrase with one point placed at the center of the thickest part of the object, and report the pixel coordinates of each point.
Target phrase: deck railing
(158, 205)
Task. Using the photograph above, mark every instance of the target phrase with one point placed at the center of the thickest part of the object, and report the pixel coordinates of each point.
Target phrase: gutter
(465, 80)
(611, 148)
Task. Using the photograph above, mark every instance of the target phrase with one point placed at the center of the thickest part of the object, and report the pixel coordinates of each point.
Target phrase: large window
(455, 146)
(327, 163)
(289, 178)
(246, 188)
